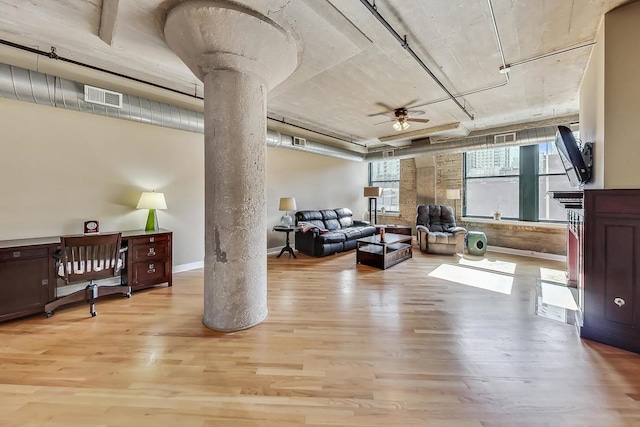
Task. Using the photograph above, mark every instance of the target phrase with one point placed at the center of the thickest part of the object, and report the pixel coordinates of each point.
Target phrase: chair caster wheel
(49, 314)
(94, 313)
(128, 295)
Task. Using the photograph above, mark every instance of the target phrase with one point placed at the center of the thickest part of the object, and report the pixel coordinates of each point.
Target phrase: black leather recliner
(332, 231)
(437, 230)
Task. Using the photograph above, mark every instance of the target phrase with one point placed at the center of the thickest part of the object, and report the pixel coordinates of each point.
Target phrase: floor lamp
(373, 193)
(454, 194)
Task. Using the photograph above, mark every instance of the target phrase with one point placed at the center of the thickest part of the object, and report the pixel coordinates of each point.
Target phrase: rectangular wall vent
(299, 142)
(387, 153)
(96, 95)
(504, 138)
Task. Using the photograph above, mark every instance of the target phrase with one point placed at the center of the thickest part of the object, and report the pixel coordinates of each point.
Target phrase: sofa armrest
(358, 223)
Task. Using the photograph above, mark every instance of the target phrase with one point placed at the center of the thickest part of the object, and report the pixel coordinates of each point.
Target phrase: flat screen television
(576, 159)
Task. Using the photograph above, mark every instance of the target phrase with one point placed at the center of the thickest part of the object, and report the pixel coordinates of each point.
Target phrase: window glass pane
(549, 209)
(386, 174)
(493, 162)
(387, 170)
(484, 196)
(549, 160)
(390, 199)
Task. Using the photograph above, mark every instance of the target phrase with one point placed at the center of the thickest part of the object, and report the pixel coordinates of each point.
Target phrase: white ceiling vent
(504, 138)
(387, 154)
(95, 95)
(299, 142)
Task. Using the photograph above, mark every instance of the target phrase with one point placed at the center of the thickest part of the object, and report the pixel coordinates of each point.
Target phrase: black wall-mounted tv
(576, 159)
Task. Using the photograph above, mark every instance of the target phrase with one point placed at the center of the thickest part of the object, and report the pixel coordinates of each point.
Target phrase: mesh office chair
(89, 258)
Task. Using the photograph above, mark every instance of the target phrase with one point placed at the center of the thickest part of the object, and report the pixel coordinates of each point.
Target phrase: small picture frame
(91, 227)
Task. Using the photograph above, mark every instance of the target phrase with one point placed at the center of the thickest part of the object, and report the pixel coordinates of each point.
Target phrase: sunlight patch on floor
(552, 275)
(486, 264)
(476, 278)
(559, 296)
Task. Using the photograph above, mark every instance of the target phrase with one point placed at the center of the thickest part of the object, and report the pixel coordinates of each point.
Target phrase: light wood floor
(343, 345)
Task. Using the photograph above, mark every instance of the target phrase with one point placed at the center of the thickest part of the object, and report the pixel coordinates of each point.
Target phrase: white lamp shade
(453, 194)
(372, 191)
(288, 204)
(152, 200)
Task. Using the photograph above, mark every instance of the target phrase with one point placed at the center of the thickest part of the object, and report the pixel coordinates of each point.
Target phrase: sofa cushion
(331, 237)
(311, 217)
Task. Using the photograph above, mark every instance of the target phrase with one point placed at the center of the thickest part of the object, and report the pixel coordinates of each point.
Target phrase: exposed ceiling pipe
(43, 89)
(504, 69)
(523, 137)
(405, 45)
(38, 88)
(32, 86)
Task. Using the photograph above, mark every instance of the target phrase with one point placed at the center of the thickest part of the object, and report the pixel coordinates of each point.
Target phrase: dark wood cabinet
(611, 273)
(27, 278)
(148, 260)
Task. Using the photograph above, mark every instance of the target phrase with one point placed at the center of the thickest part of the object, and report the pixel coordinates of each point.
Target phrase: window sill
(543, 225)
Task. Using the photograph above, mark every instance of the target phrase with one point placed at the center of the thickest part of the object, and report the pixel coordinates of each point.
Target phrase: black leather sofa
(329, 231)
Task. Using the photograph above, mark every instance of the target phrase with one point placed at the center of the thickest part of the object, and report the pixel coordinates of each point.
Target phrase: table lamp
(287, 204)
(152, 201)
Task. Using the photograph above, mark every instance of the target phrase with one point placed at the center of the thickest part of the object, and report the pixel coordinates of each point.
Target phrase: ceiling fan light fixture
(400, 125)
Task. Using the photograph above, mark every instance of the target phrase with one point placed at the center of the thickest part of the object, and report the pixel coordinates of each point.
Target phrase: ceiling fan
(402, 117)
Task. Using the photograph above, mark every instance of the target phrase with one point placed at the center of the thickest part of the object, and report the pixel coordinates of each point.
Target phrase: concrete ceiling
(351, 70)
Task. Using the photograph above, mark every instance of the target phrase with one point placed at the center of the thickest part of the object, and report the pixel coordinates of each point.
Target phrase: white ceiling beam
(108, 21)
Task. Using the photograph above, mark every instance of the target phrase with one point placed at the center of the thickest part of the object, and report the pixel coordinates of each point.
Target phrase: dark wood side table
(394, 228)
(287, 247)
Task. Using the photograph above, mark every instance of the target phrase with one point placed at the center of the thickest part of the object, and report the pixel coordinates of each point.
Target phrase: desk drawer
(149, 272)
(150, 251)
(163, 238)
(19, 253)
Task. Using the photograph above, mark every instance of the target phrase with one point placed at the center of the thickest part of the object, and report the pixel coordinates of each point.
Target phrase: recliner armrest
(422, 228)
(359, 223)
(457, 230)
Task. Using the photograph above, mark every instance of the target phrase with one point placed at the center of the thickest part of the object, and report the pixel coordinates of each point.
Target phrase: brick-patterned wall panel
(523, 237)
(449, 176)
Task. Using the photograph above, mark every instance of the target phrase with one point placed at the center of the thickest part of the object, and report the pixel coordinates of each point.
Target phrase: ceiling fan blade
(386, 121)
(409, 119)
(385, 106)
(415, 112)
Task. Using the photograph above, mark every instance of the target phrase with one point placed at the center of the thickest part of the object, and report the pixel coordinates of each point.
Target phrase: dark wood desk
(28, 278)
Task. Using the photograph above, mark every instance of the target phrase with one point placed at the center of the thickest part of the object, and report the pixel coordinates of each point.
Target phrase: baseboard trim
(531, 254)
(187, 267)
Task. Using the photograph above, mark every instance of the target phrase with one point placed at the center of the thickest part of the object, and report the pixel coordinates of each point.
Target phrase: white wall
(609, 106)
(592, 109)
(59, 168)
(317, 182)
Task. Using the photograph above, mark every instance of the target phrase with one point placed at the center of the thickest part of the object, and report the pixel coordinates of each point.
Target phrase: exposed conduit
(405, 45)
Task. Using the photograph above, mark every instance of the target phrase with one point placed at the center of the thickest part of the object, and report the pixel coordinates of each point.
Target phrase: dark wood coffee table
(383, 254)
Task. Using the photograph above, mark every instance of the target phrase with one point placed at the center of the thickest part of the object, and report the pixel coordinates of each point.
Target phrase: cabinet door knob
(618, 301)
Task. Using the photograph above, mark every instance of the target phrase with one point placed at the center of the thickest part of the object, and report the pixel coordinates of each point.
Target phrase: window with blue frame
(516, 182)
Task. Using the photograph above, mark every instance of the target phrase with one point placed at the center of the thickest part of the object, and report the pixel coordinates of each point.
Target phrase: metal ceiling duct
(523, 137)
(32, 86)
(35, 87)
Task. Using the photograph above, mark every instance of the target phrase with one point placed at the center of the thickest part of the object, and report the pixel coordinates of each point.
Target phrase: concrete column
(239, 55)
